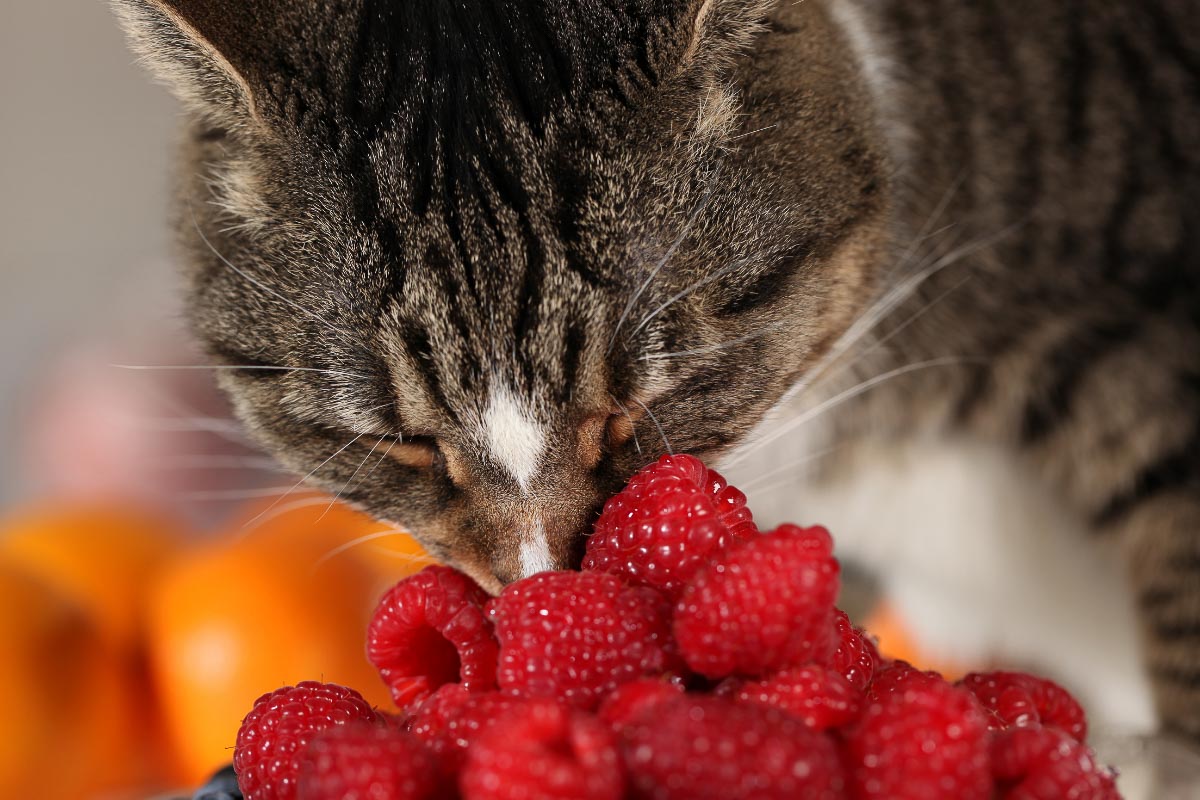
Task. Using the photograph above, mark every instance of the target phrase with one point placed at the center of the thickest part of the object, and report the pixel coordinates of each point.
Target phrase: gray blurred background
(85, 144)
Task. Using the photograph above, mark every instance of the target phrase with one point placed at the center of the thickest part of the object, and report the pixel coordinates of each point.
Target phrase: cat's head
(513, 249)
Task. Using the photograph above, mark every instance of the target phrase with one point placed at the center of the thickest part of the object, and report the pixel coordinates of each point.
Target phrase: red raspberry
(543, 750)
(579, 635)
(815, 694)
(762, 606)
(856, 657)
(707, 748)
(272, 739)
(1018, 700)
(901, 676)
(369, 762)
(1037, 763)
(671, 518)
(452, 718)
(928, 742)
(429, 630)
(628, 700)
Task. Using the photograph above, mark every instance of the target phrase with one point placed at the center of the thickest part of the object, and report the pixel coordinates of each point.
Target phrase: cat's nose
(539, 543)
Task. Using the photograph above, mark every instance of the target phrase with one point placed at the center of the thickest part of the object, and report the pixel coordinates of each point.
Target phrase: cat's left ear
(202, 49)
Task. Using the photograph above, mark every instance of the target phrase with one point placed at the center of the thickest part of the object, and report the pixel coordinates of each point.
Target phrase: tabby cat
(471, 263)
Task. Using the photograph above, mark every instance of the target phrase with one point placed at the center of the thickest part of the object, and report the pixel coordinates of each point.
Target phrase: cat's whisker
(728, 268)
(845, 396)
(878, 311)
(755, 483)
(301, 482)
(218, 462)
(751, 133)
(687, 228)
(381, 459)
(341, 335)
(230, 494)
(349, 480)
(632, 428)
(714, 348)
(654, 419)
(211, 367)
(879, 343)
(189, 425)
(387, 532)
(314, 471)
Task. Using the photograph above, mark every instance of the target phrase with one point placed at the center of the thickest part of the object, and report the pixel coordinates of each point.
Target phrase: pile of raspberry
(694, 657)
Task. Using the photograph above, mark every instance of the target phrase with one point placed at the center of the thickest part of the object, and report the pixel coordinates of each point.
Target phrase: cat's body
(643, 224)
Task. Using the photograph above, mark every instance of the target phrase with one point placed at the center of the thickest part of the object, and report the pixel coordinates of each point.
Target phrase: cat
(469, 264)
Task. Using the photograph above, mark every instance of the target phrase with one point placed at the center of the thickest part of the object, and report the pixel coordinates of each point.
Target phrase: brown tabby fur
(650, 219)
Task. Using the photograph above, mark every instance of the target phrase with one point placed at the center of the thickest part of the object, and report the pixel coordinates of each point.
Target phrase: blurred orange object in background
(100, 556)
(133, 649)
(73, 715)
(272, 602)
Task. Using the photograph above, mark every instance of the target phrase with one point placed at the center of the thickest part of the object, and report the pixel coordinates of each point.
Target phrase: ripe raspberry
(671, 518)
(927, 742)
(272, 740)
(579, 635)
(543, 750)
(901, 676)
(628, 700)
(708, 748)
(451, 719)
(1018, 700)
(368, 762)
(762, 606)
(818, 695)
(856, 657)
(1037, 763)
(429, 630)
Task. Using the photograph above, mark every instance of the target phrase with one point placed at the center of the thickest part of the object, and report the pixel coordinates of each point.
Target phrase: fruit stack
(694, 657)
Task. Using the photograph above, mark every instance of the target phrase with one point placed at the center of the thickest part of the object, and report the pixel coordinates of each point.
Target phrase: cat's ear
(202, 49)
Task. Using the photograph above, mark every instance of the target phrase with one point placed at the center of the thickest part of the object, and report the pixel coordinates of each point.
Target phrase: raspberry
(628, 700)
(369, 762)
(926, 742)
(707, 748)
(818, 695)
(671, 518)
(856, 657)
(543, 750)
(1018, 700)
(1037, 763)
(429, 630)
(579, 635)
(901, 676)
(762, 606)
(452, 718)
(272, 739)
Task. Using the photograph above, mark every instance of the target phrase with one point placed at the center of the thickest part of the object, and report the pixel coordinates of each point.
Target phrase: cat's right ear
(201, 49)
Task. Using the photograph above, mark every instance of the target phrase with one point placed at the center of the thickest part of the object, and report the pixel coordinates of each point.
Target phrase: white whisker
(307, 312)
(360, 540)
(338, 372)
(215, 462)
(713, 348)
(728, 268)
(632, 427)
(231, 494)
(654, 419)
(847, 395)
(687, 227)
(755, 483)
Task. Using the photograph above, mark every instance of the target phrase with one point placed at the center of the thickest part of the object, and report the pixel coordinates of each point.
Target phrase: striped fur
(644, 224)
